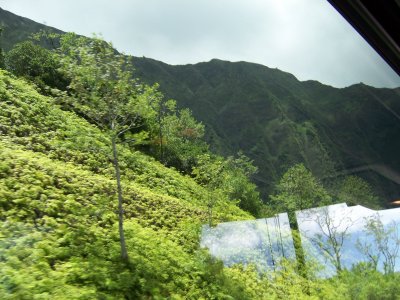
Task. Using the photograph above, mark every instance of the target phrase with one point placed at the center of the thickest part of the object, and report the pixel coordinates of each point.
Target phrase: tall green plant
(298, 189)
(385, 244)
(184, 142)
(210, 174)
(36, 64)
(106, 93)
(354, 190)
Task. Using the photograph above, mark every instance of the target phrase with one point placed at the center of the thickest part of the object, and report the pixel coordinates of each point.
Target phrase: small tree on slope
(104, 91)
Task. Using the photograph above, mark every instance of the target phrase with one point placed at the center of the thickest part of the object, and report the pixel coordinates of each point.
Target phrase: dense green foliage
(35, 63)
(229, 177)
(103, 91)
(182, 138)
(353, 190)
(37, 123)
(58, 203)
(367, 283)
(298, 189)
(59, 237)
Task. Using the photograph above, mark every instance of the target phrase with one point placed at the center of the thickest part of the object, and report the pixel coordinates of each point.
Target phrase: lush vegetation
(59, 233)
(60, 212)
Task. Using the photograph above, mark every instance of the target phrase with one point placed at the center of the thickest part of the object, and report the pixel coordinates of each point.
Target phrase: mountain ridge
(303, 101)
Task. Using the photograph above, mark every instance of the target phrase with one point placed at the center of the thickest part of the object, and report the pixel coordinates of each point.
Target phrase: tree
(228, 178)
(332, 230)
(209, 174)
(36, 64)
(163, 107)
(103, 89)
(183, 136)
(238, 185)
(298, 189)
(354, 190)
(158, 124)
(385, 243)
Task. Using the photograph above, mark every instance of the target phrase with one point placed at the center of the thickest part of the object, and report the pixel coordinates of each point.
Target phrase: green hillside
(58, 205)
(59, 234)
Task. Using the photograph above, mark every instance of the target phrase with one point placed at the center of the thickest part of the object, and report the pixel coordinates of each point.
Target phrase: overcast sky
(307, 38)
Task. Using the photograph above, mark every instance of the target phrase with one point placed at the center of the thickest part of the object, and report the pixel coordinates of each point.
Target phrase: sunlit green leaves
(36, 64)
(298, 189)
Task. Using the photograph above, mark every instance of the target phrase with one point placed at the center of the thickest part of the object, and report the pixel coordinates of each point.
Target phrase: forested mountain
(274, 118)
(278, 121)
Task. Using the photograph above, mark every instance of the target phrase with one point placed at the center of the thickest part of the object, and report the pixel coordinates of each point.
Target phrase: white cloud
(305, 37)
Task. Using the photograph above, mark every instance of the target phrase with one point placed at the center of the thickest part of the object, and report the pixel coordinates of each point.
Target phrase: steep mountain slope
(17, 29)
(58, 230)
(278, 120)
(274, 118)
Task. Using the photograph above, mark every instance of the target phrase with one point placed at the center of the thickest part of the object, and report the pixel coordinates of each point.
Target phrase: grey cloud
(307, 38)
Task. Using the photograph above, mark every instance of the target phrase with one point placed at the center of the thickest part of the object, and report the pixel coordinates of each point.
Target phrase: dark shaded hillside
(274, 118)
(17, 29)
(278, 120)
